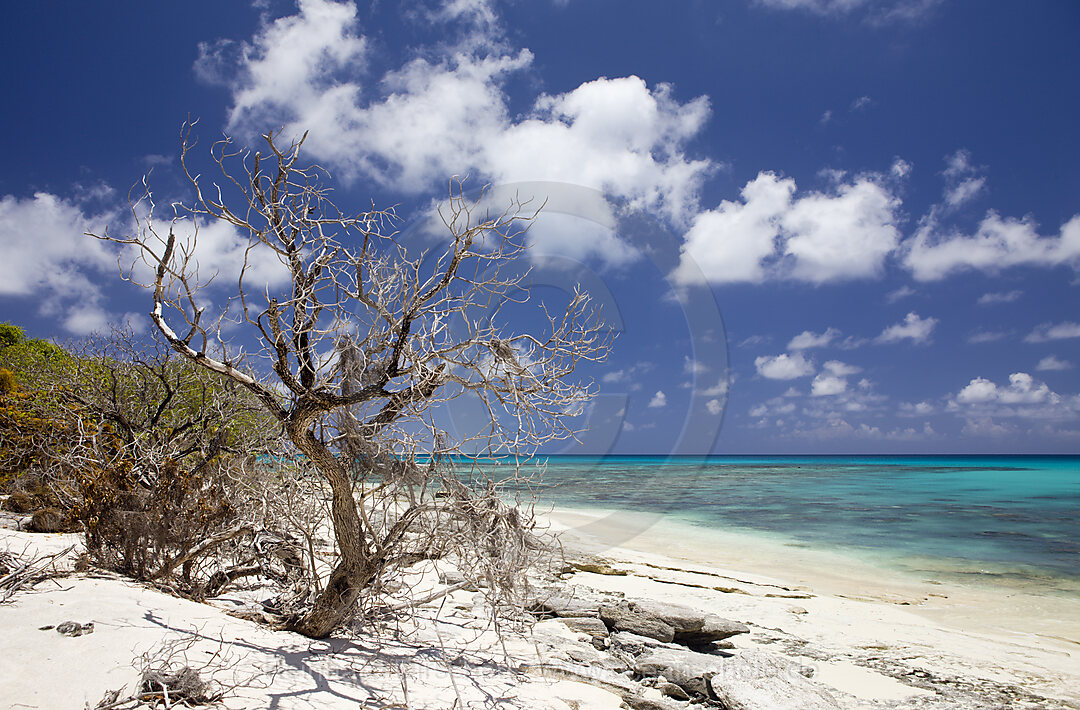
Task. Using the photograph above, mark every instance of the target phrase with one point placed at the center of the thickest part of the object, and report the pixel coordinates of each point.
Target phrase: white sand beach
(871, 638)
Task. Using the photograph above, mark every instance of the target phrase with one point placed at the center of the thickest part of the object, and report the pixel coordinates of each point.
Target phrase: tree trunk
(354, 568)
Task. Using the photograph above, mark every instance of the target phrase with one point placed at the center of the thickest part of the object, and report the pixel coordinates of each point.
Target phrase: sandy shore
(864, 625)
(875, 639)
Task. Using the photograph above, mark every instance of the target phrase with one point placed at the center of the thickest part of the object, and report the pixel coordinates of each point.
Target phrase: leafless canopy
(355, 343)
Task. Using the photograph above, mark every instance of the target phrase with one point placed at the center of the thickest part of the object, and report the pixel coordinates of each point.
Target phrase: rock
(687, 669)
(588, 655)
(74, 628)
(622, 617)
(600, 677)
(671, 690)
(632, 645)
(713, 629)
(598, 568)
(757, 680)
(680, 618)
(692, 628)
(643, 702)
(566, 602)
(586, 624)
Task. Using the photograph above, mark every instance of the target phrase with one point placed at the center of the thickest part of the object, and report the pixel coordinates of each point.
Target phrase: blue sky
(822, 225)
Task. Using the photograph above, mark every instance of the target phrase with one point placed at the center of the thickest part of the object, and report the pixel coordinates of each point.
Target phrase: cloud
(840, 369)
(820, 237)
(986, 426)
(732, 242)
(1049, 331)
(964, 191)
(714, 406)
(1023, 397)
(873, 11)
(719, 389)
(916, 409)
(861, 103)
(783, 367)
(808, 339)
(658, 400)
(825, 385)
(694, 367)
(45, 246)
(47, 257)
(1001, 297)
(1052, 363)
(998, 243)
(754, 340)
(833, 380)
(986, 336)
(912, 328)
(447, 112)
(962, 182)
(902, 292)
(629, 374)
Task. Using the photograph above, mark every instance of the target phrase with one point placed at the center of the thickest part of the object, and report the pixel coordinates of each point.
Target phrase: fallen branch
(22, 573)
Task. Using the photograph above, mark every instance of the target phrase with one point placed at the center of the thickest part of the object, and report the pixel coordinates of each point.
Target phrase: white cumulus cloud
(998, 243)
(842, 234)
(1052, 363)
(809, 339)
(912, 328)
(826, 384)
(447, 112)
(658, 400)
(784, 366)
(48, 257)
(1050, 331)
(1023, 397)
(999, 297)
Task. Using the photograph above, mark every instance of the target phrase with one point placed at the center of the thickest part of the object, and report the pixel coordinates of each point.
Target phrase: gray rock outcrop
(623, 617)
(687, 669)
(757, 680)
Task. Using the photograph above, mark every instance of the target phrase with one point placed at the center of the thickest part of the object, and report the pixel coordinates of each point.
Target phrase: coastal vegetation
(308, 403)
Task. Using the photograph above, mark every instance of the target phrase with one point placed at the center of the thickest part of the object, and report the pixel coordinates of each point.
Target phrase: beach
(871, 637)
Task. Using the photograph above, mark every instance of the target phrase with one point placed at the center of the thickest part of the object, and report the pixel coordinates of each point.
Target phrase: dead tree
(355, 356)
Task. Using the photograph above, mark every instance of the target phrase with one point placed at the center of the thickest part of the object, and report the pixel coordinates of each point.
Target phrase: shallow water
(1013, 520)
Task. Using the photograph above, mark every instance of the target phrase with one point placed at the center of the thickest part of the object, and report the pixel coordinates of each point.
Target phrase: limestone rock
(680, 618)
(581, 653)
(632, 645)
(569, 602)
(757, 680)
(586, 624)
(643, 702)
(692, 628)
(600, 677)
(623, 617)
(713, 629)
(687, 669)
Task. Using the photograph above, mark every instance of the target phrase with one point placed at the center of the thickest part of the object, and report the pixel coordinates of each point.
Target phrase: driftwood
(19, 572)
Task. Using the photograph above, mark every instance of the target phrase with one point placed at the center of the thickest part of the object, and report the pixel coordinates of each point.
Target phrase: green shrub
(10, 334)
(7, 381)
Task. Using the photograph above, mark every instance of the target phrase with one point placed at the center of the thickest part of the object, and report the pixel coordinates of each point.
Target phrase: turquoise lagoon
(1012, 520)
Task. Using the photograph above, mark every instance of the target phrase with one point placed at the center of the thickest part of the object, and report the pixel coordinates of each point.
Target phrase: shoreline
(837, 604)
(873, 639)
(612, 533)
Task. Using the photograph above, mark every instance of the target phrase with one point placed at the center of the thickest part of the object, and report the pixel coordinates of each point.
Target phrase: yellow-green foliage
(7, 381)
(10, 334)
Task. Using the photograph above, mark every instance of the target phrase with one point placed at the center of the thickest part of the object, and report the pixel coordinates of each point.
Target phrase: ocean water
(995, 519)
